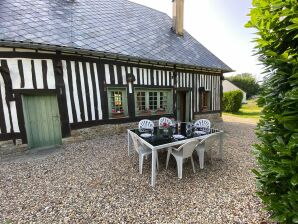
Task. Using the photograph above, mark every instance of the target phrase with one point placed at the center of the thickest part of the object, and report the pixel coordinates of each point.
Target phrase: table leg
(221, 145)
(153, 173)
(200, 152)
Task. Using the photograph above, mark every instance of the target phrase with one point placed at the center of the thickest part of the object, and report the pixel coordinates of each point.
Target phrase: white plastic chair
(163, 120)
(200, 149)
(203, 124)
(184, 151)
(146, 125)
(203, 146)
(142, 150)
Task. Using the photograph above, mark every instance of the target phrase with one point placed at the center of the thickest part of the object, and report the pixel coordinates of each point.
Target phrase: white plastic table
(214, 132)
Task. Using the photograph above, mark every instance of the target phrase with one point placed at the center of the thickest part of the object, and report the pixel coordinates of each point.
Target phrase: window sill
(153, 114)
(204, 109)
(118, 118)
(161, 113)
(117, 115)
(145, 114)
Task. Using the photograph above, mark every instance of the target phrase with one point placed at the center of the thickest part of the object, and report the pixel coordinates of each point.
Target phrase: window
(204, 101)
(153, 102)
(141, 101)
(117, 103)
(163, 100)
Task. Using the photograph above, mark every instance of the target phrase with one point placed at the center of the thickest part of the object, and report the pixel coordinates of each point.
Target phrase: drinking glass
(189, 129)
(152, 132)
(179, 127)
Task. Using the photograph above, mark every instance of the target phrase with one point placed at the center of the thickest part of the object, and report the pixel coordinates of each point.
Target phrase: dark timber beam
(61, 95)
(221, 94)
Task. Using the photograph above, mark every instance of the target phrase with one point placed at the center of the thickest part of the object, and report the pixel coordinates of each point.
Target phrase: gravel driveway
(96, 182)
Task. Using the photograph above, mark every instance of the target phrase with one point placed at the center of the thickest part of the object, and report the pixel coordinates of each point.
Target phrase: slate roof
(113, 26)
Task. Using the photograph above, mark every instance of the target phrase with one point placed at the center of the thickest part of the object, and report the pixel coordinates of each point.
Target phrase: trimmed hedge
(276, 22)
(247, 82)
(232, 101)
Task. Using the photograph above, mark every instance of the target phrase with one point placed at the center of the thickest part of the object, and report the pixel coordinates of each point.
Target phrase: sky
(219, 26)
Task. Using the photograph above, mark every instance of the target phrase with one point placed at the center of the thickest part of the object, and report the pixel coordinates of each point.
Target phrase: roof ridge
(145, 6)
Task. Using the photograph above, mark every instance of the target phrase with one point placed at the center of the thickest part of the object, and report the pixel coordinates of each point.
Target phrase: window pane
(153, 100)
(116, 99)
(141, 101)
(163, 101)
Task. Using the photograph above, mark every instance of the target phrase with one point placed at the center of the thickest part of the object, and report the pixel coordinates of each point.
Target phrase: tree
(246, 82)
(276, 22)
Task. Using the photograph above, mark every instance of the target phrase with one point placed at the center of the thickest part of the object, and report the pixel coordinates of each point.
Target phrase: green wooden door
(42, 120)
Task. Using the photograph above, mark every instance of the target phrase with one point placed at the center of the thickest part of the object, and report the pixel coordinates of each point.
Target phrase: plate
(200, 132)
(145, 135)
(178, 136)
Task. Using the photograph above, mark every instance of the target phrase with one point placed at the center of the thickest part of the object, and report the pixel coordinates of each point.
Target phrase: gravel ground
(96, 182)
(229, 118)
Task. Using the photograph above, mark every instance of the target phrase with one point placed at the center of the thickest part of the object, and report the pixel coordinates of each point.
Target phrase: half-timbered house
(72, 64)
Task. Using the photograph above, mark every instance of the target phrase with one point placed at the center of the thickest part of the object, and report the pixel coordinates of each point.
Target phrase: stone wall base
(8, 147)
(215, 117)
(102, 130)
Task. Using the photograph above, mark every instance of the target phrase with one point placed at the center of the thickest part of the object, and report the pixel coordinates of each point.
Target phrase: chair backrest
(136, 142)
(203, 124)
(210, 140)
(146, 125)
(163, 120)
(189, 147)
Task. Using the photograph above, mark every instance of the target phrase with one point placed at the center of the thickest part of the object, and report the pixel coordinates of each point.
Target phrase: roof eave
(39, 46)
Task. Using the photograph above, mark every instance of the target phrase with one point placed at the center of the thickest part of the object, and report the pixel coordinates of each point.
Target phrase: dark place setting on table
(171, 133)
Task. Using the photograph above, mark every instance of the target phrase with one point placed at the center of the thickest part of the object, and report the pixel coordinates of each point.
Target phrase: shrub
(276, 22)
(246, 82)
(232, 101)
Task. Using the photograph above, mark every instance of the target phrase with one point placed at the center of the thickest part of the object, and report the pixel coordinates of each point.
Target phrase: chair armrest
(173, 148)
(200, 146)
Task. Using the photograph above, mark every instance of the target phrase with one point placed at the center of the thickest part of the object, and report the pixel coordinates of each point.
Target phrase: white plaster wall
(228, 86)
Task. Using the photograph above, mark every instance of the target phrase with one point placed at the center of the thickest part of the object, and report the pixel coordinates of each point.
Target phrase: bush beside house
(232, 101)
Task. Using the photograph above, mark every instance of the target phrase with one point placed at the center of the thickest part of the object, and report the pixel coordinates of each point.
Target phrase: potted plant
(146, 112)
(160, 111)
(165, 127)
(117, 113)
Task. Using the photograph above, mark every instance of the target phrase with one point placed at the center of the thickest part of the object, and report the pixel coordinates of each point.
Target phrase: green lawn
(249, 110)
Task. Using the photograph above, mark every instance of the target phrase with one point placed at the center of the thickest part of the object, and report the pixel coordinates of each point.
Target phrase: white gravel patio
(96, 182)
